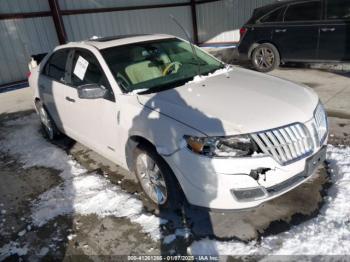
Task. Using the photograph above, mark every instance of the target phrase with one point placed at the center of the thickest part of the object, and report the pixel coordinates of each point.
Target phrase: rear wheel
(157, 180)
(47, 122)
(265, 58)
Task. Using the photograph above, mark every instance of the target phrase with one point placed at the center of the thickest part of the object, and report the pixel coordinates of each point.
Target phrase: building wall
(20, 38)
(84, 4)
(220, 21)
(84, 26)
(18, 6)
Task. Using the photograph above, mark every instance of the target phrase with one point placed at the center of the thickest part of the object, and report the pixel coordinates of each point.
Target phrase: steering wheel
(172, 67)
(122, 82)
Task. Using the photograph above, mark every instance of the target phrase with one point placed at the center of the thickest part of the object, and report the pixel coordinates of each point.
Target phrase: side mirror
(91, 91)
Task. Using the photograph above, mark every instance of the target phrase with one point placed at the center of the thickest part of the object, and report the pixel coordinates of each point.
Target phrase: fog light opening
(249, 194)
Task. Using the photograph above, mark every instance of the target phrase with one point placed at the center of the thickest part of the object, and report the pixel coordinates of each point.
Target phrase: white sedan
(190, 127)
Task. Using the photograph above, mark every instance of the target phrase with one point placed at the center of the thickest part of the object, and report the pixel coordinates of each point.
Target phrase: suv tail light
(243, 31)
(28, 74)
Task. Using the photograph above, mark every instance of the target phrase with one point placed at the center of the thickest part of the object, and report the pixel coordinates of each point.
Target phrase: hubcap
(264, 58)
(151, 179)
(46, 122)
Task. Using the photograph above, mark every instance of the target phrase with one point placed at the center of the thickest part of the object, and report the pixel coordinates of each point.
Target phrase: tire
(265, 58)
(48, 125)
(173, 197)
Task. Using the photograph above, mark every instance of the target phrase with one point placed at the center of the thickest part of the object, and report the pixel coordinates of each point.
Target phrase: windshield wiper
(195, 63)
(166, 86)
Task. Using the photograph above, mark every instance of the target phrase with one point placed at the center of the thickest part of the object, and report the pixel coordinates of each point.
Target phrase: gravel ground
(88, 233)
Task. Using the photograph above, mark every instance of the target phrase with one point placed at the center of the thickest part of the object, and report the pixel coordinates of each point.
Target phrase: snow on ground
(81, 192)
(11, 249)
(326, 234)
(88, 193)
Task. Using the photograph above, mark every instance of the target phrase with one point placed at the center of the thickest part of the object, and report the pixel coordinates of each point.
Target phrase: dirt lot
(63, 199)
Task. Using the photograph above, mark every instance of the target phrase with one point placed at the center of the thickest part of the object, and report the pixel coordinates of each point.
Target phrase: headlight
(321, 120)
(233, 146)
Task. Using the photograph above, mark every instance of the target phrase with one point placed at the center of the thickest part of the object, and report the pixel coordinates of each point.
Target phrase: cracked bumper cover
(209, 182)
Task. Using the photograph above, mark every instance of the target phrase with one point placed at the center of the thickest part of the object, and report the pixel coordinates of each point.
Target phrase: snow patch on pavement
(12, 248)
(81, 192)
(89, 193)
(326, 234)
(184, 233)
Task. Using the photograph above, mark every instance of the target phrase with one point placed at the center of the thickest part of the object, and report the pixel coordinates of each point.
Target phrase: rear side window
(274, 16)
(56, 66)
(338, 9)
(308, 11)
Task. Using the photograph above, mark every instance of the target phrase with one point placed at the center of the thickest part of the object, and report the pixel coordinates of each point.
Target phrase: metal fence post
(58, 21)
(194, 21)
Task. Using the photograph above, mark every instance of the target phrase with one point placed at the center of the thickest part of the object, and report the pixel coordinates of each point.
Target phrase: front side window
(308, 11)
(87, 70)
(55, 68)
(338, 9)
(157, 64)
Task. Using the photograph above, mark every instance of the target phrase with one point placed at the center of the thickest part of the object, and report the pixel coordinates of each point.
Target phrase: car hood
(236, 102)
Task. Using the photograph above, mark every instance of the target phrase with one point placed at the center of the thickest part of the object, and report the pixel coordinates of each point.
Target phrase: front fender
(164, 133)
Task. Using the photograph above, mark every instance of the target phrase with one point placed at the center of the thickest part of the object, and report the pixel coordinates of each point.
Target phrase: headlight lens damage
(233, 146)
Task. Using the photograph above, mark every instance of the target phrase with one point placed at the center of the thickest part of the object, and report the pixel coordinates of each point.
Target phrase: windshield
(161, 63)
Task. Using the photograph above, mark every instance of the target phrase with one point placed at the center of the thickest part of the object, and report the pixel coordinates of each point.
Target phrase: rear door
(52, 85)
(297, 37)
(263, 31)
(335, 32)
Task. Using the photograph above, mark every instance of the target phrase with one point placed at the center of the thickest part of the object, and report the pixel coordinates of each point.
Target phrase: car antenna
(190, 41)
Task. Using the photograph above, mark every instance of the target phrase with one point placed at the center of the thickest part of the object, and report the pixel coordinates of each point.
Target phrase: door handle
(70, 99)
(328, 29)
(281, 30)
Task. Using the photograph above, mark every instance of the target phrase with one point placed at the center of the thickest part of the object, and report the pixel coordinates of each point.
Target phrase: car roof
(279, 3)
(111, 41)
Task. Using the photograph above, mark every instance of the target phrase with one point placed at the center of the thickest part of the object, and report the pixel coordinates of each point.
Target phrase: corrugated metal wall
(89, 4)
(84, 26)
(22, 37)
(18, 6)
(220, 21)
(217, 22)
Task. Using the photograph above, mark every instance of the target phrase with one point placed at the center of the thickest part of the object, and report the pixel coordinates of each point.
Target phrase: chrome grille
(285, 144)
(321, 123)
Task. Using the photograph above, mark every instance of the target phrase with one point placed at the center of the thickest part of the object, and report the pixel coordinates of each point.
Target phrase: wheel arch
(137, 140)
(131, 144)
(36, 101)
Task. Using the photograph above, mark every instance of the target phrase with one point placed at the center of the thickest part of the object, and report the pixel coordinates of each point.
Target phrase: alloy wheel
(264, 58)
(151, 179)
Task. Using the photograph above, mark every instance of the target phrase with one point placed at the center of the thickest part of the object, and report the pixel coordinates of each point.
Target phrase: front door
(92, 122)
(297, 37)
(335, 32)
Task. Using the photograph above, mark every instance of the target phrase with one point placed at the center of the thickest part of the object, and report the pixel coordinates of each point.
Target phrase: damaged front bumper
(227, 184)
(312, 163)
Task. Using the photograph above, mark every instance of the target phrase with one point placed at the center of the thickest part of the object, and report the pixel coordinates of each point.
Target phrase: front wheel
(265, 58)
(157, 180)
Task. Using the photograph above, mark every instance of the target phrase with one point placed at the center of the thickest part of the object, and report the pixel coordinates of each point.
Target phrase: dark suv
(297, 31)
